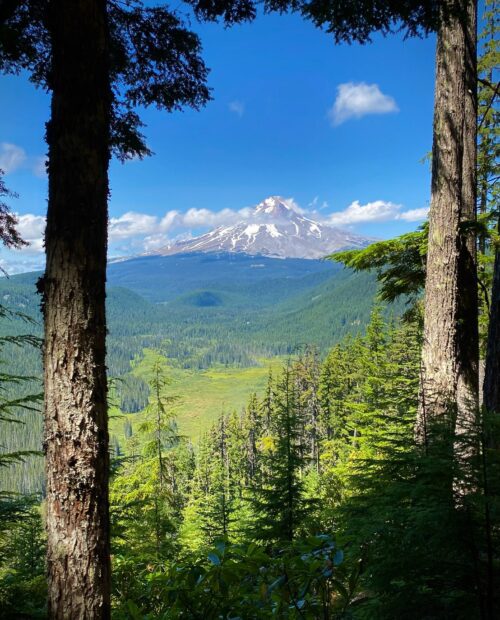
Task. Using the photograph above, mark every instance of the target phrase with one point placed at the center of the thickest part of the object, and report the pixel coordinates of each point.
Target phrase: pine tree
(307, 374)
(253, 428)
(278, 501)
(216, 509)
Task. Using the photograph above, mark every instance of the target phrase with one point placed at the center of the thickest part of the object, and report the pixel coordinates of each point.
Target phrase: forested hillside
(220, 341)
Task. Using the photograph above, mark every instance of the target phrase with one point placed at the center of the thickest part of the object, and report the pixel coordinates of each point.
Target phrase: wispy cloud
(39, 166)
(237, 107)
(355, 100)
(12, 157)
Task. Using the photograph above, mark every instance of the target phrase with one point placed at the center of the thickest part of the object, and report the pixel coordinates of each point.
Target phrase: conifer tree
(278, 500)
(307, 371)
(151, 485)
(253, 428)
(217, 507)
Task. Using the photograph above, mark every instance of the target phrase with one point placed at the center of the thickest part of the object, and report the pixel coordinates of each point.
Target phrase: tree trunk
(491, 387)
(76, 435)
(468, 302)
(449, 352)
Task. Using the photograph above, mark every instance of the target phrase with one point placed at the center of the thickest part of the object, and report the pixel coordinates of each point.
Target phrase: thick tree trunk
(491, 387)
(76, 435)
(449, 353)
(468, 302)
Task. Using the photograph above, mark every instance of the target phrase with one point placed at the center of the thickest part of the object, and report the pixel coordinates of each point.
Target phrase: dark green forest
(314, 501)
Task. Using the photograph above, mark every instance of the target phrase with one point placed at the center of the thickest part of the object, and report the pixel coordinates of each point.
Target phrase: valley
(221, 320)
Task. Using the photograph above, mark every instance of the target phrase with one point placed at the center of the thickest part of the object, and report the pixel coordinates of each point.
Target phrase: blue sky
(340, 129)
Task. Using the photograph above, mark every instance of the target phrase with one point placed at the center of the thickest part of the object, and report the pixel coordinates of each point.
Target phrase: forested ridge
(360, 476)
(193, 338)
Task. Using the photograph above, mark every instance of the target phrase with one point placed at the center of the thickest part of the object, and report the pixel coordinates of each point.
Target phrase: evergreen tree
(214, 492)
(253, 429)
(278, 500)
(307, 374)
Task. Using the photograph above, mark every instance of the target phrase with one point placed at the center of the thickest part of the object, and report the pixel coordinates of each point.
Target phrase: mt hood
(273, 229)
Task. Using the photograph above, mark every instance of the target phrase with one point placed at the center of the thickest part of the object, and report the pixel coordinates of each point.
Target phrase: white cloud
(355, 100)
(376, 211)
(12, 157)
(31, 228)
(290, 202)
(168, 221)
(414, 215)
(154, 242)
(237, 107)
(356, 213)
(131, 224)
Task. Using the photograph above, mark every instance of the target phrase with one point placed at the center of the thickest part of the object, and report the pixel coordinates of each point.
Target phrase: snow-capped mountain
(273, 229)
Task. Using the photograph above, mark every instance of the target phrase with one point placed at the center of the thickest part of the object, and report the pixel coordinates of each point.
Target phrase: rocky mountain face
(273, 229)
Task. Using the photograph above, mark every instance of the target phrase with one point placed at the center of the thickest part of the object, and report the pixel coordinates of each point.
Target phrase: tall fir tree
(278, 500)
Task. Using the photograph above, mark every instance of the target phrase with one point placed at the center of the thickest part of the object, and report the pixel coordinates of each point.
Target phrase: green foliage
(399, 264)
(278, 499)
(133, 393)
(9, 236)
(236, 527)
(149, 489)
(23, 587)
(155, 60)
(303, 580)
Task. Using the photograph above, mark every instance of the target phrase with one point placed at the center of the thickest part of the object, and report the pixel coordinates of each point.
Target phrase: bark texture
(491, 387)
(468, 302)
(449, 383)
(76, 435)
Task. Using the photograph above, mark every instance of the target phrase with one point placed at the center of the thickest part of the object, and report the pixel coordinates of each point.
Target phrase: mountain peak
(274, 228)
(274, 206)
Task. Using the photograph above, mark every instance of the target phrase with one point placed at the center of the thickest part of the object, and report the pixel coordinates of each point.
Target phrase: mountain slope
(256, 281)
(272, 229)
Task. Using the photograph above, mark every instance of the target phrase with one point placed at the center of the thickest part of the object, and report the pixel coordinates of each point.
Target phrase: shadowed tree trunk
(468, 302)
(449, 353)
(491, 387)
(76, 436)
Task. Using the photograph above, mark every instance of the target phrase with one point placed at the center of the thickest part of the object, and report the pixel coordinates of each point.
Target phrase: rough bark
(446, 374)
(491, 386)
(468, 303)
(76, 435)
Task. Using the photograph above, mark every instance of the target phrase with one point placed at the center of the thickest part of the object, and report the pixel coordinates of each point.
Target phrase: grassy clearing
(203, 394)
